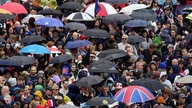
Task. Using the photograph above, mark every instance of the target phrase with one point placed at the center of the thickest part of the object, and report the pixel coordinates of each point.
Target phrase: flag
(97, 7)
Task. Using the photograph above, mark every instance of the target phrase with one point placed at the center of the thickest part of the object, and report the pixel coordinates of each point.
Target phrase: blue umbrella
(52, 22)
(136, 23)
(77, 44)
(35, 49)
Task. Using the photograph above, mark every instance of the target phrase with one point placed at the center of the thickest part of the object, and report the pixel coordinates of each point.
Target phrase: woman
(8, 50)
(145, 44)
(38, 100)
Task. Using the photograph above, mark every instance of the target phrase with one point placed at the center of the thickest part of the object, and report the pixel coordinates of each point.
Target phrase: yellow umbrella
(189, 16)
(3, 11)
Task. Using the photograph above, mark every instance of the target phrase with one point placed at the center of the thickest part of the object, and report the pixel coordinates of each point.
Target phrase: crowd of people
(165, 56)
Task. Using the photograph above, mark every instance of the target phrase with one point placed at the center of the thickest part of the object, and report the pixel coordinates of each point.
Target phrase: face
(15, 75)
(174, 62)
(37, 98)
(10, 30)
(153, 66)
(40, 80)
(75, 36)
(100, 46)
(8, 46)
(51, 83)
(33, 70)
(179, 18)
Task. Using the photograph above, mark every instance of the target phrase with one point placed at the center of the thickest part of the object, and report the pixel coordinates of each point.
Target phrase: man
(123, 42)
(33, 74)
(179, 23)
(56, 93)
(48, 95)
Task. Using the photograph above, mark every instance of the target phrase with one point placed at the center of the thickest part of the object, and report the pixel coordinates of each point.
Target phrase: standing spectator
(5, 93)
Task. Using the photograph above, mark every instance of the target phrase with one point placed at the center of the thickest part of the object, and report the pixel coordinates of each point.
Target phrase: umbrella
(100, 101)
(35, 49)
(133, 94)
(71, 5)
(61, 58)
(103, 61)
(106, 9)
(89, 81)
(52, 22)
(146, 10)
(2, 40)
(151, 84)
(136, 23)
(68, 106)
(56, 79)
(6, 16)
(32, 39)
(22, 60)
(129, 9)
(188, 37)
(4, 11)
(117, 1)
(54, 50)
(189, 16)
(14, 7)
(103, 68)
(77, 44)
(185, 79)
(116, 18)
(144, 16)
(2, 2)
(135, 39)
(113, 53)
(80, 16)
(166, 107)
(37, 17)
(96, 33)
(76, 26)
(6, 62)
(50, 12)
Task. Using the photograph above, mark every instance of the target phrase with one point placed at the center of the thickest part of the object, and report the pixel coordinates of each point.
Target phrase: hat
(55, 86)
(181, 95)
(49, 88)
(12, 82)
(162, 74)
(29, 82)
(162, 65)
(38, 87)
(156, 74)
(56, 79)
(161, 100)
(153, 62)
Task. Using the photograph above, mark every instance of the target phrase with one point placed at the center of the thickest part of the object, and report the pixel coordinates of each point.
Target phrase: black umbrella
(100, 101)
(135, 39)
(144, 16)
(50, 12)
(103, 61)
(32, 39)
(2, 40)
(166, 107)
(151, 84)
(89, 81)
(189, 105)
(116, 18)
(103, 68)
(71, 5)
(61, 58)
(2, 1)
(22, 60)
(117, 1)
(146, 10)
(136, 23)
(6, 16)
(68, 106)
(96, 33)
(188, 37)
(6, 62)
(76, 26)
(112, 54)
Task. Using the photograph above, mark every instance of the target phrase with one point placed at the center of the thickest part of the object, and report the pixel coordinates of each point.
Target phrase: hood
(73, 88)
(38, 93)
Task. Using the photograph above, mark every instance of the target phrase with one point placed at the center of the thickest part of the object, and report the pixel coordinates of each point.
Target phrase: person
(166, 95)
(163, 80)
(148, 41)
(5, 93)
(123, 42)
(33, 74)
(38, 100)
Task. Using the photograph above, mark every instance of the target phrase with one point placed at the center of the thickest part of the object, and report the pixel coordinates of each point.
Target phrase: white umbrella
(185, 79)
(129, 9)
(37, 17)
(80, 16)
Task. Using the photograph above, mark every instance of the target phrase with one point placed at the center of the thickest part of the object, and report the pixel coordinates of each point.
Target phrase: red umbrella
(14, 8)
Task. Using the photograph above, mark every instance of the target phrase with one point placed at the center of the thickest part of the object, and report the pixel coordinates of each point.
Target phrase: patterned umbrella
(186, 79)
(76, 26)
(96, 33)
(80, 16)
(133, 94)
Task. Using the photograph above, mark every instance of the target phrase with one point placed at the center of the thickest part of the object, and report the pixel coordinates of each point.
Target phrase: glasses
(124, 38)
(190, 57)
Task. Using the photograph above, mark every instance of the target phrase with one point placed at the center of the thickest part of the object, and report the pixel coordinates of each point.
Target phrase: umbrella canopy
(4, 11)
(112, 53)
(2, 2)
(151, 84)
(189, 16)
(100, 101)
(163, 1)
(35, 49)
(68, 106)
(32, 39)
(146, 10)
(188, 37)
(22, 60)
(76, 26)
(136, 23)
(186, 79)
(52, 22)
(77, 44)
(2, 40)
(144, 16)
(129, 9)
(61, 59)
(6, 16)
(103, 61)
(116, 18)
(50, 12)
(6, 62)
(71, 5)
(37, 17)
(54, 50)
(133, 94)
(106, 9)
(117, 1)
(89, 81)
(80, 16)
(14, 7)
(96, 33)
(135, 39)
(103, 68)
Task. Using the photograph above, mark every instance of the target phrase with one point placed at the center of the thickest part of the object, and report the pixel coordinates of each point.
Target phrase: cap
(161, 100)
(181, 95)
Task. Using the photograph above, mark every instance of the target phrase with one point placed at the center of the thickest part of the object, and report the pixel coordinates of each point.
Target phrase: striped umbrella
(80, 16)
(133, 94)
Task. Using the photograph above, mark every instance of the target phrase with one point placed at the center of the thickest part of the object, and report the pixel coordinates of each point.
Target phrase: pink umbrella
(15, 8)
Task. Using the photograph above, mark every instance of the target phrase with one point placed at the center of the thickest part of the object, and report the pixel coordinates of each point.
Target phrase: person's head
(50, 83)
(182, 97)
(5, 90)
(163, 76)
(38, 95)
(55, 89)
(48, 91)
(144, 33)
(173, 33)
(33, 70)
(17, 104)
(105, 90)
(27, 90)
(20, 80)
(2, 80)
(7, 73)
(84, 89)
(170, 48)
(55, 33)
(139, 66)
(152, 48)
(166, 92)
(75, 36)
(174, 62)
(124, 38)
(179, 17)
